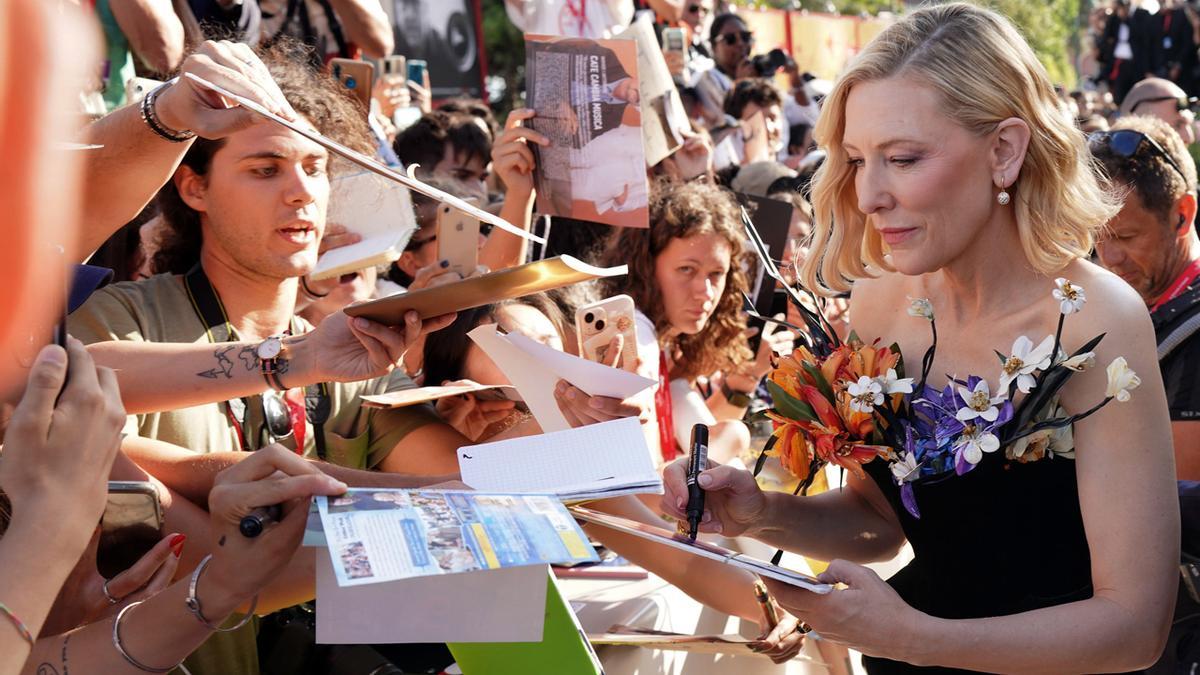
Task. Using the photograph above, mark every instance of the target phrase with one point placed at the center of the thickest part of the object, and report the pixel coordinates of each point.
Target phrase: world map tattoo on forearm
(225, 364)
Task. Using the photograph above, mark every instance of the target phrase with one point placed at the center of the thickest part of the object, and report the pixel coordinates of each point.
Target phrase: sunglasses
(1127, 142)
(731, 39)
(416, 244)
(697, 9)
(276, 415)
(1182, 103)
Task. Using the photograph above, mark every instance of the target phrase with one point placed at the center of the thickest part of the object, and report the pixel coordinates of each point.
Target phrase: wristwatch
(737, 399)
(272, 354)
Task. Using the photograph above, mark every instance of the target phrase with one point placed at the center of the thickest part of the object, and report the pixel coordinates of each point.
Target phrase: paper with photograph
(701, 548)
(376, 535)
(664, 121)
(406, 397)
(484, 289)
(376, 209)
(586, 96)
(591, 462)
(535, 369)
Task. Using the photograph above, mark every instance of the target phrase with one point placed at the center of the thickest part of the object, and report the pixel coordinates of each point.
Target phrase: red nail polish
(176, 544)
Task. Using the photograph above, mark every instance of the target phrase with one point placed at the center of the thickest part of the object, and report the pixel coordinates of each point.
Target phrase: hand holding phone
(598, 324)
(131, 526)
(458, 240)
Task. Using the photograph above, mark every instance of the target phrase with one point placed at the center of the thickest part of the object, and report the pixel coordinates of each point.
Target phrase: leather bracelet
(116, 638)
(737, 399)
(150, 117)
(193, 603)
(309, 292)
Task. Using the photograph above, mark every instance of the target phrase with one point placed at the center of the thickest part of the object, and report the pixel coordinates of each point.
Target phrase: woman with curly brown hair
(686, 276)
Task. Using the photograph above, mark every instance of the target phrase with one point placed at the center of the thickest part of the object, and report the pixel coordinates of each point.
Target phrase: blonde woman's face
(922, 180)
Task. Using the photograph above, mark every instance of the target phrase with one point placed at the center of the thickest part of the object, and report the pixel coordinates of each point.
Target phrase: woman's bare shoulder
(1112, 306)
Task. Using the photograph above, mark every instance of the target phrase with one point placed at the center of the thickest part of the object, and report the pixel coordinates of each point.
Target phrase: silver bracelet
(193, 603)
(116, 638)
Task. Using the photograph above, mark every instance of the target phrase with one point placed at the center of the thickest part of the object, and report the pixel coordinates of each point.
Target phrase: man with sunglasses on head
(1156, 97)
(1152, 245)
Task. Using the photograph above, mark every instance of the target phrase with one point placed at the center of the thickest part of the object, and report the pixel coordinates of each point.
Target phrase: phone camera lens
(599, 325)
(589, 317)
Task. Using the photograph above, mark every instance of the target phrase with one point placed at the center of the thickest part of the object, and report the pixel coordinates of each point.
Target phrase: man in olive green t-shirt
(244, 217)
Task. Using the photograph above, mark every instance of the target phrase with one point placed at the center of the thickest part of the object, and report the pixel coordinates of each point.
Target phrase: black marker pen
(697, 462)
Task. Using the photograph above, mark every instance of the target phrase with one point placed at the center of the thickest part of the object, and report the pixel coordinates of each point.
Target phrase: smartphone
(674, 40)
(458, 240)
(137, 88)
(598, 323)
(416, 71)
(131, 526)
(357, 76)
(396, 67)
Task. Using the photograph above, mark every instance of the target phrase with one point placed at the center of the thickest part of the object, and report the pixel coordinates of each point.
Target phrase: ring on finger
(107, 593)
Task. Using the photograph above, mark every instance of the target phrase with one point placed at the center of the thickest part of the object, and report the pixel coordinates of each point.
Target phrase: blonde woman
(953, 176)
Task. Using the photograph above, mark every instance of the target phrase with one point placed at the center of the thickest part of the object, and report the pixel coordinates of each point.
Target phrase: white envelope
(503, 605)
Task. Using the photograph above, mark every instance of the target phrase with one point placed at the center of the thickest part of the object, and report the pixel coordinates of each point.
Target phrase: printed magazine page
(586, 96)
(376, 535)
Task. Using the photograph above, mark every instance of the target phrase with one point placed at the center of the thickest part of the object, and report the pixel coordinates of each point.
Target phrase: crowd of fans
(212, 221)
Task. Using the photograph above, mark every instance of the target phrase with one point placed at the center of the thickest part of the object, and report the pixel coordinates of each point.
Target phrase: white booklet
(702, 548)
(535, 369)
(376, 209)
(591, 462)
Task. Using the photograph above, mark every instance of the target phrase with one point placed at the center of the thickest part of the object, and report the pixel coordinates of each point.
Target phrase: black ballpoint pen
(697, 462)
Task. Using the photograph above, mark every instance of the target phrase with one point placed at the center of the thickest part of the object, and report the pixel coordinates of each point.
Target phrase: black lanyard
(211, 312)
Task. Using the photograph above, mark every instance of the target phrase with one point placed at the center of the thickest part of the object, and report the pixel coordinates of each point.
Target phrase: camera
(765, 65)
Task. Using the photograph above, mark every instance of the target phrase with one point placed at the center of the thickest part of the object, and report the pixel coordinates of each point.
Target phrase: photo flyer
(587, 100)
(376, 535)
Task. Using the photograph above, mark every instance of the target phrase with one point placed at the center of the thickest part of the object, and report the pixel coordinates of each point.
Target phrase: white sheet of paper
(433, 609)
(534, 369)
(591, 459)
(376, 209)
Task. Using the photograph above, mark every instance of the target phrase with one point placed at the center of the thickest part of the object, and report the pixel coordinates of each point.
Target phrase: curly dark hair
(313, 94)
(678, 211)
(758, 91)
(424, 143)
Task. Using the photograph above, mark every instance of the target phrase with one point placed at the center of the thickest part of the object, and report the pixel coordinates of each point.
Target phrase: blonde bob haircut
(984, 73)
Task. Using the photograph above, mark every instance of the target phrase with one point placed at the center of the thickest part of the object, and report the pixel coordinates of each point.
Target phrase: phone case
(673, 40)
(458, 240)
(396, 66)
(598, 323)
(131, 526)
(357, 76)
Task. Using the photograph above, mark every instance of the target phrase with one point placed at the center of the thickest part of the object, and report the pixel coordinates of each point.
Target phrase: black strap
(335, 27)
(208, 306)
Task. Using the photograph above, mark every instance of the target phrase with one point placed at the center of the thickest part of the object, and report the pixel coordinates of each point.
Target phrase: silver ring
(111, 599)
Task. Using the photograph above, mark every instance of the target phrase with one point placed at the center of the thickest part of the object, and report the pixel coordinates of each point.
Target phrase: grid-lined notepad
(590, 462)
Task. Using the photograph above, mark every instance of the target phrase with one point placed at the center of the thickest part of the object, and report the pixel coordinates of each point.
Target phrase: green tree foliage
(504, 49)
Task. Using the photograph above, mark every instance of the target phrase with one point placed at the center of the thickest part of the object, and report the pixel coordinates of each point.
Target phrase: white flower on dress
(920, 308)
(892, 384)
(1069, 296)
(1121, 380)
(1026, 359)
(1039, 444)
(1081, 362)
(905, 468)
(980, 403)
(974, 441)
(865, 395)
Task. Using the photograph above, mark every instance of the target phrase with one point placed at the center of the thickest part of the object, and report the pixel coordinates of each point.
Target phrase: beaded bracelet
(116, 638)
(193, 603)
(150, 117)
(17, 623)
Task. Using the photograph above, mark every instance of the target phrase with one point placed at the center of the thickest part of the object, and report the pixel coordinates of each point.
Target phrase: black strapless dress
(1002, 539)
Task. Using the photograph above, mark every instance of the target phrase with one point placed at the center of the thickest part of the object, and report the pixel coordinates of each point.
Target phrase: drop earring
(1003, 198)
